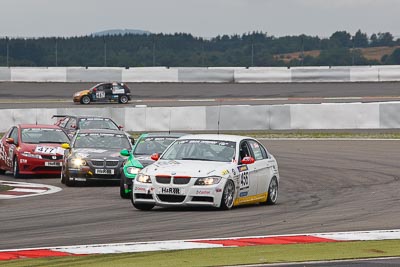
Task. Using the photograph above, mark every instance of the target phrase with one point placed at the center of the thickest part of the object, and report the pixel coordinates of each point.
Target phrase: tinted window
(71, 124)
(97, 123)
(151, 145)
(43, 135)
(102, 140)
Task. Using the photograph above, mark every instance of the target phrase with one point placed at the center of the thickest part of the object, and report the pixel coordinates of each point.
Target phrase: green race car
(140, 156)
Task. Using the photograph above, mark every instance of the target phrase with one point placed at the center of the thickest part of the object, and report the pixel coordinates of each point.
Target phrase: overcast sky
(203, 18)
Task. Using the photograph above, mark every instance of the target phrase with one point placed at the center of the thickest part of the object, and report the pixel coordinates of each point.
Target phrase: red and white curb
(20, 189)
(197, 244)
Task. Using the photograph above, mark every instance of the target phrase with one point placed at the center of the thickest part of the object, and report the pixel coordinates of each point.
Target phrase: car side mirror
(124, 152)
(120, 127)
(65, 146)
(248, 160)
(155, 156)
(10, 141)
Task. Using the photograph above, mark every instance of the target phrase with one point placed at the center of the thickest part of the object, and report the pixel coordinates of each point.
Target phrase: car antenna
(169, 126)
(219, 115)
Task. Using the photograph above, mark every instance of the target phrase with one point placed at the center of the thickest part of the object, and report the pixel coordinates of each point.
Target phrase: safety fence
(228, 118)
(203, 75)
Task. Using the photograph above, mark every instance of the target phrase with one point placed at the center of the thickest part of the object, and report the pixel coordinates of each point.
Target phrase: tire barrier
(203, 75)
(228, 118)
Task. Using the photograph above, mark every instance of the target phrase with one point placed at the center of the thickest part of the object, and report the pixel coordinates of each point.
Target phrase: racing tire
(123, 99)
(228, 196)
(2, 171)
(16, 173)
(272, 192)
(85, 100)
(62, 179)
(122, 192)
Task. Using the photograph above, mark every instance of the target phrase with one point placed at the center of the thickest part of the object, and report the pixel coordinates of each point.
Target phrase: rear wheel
(228, 195)
(85, 100)
(16, 173)
(123, 99)
(272, 192)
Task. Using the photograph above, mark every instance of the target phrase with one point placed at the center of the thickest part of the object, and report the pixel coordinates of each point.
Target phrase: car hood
(34, 148)
(85, 153)
(83, 92)
(142, 160)
(193, 168)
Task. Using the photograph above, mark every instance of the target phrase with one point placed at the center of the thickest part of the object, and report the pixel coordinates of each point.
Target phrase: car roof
(106, 131)
(47, 126)
(163, 134)
(80, 116)
(217, 137)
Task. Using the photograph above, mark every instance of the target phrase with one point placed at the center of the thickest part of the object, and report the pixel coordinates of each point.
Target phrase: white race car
(208, 170)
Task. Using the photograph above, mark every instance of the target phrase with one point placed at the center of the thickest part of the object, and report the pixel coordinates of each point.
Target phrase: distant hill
(120, 32)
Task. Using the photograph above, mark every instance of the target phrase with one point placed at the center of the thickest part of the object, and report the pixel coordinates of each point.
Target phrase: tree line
(185, 50)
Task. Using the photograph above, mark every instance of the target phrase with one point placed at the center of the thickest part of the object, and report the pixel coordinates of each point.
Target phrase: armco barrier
(25, 74)
(228, 118)
(203, 75)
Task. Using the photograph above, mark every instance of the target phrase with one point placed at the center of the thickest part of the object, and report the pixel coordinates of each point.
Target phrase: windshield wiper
(51, 142)
(196, 159)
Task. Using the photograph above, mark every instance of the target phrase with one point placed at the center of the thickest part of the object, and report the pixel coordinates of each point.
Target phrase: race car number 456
(170, 191)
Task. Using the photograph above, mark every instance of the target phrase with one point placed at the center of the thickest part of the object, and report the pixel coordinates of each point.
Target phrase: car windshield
(207, 150)
(151, 145)
(97, 123)
(102, 140)
(43, 135)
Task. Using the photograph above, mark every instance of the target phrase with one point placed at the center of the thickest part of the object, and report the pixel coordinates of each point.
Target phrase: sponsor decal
(225, 172)
(23, 161)
(140, 189)
(243, 194)
(203, 192)
(244, 180)
(234, 172)
(243, 168)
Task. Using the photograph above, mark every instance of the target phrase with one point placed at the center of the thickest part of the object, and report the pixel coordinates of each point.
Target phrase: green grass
(5, 188)
(227, 256)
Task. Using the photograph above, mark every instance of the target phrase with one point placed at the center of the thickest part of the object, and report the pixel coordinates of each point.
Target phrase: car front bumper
(31, 166)
(177, 195)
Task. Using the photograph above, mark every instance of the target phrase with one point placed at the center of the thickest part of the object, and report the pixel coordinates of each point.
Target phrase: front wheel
(69, 182)
(123, 99)
(85, 100)
(16, 173)
(228, 196)
(122, 192)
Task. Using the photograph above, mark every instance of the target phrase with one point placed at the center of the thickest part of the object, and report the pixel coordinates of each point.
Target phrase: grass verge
(227, 256)
(5, 188)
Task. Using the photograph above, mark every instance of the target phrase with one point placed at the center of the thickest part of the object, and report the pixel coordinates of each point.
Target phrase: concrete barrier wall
(156, 74)
(26, 74)
(228, 118)
(263, 75)
(203, 75)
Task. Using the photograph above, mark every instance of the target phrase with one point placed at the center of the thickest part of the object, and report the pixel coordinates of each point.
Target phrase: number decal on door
(244, 180)
(100, 94)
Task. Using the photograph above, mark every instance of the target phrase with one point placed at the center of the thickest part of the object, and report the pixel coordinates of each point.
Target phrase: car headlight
(142, 178)
(29, 155)
(208, 180)
(77, 162)
(132, 170)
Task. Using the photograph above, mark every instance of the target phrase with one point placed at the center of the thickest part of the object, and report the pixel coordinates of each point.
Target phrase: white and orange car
(104, 92)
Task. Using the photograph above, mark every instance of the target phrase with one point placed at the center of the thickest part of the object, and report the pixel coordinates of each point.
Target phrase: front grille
(112, 163)
(203, 199)
(181, 180)
(144, 196)
(98, 163)
(163, 179)
(51, 157)
(171, 198)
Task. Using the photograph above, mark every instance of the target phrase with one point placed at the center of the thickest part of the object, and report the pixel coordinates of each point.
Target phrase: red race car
(28, 149)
